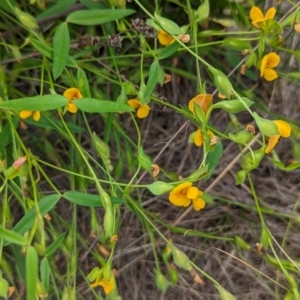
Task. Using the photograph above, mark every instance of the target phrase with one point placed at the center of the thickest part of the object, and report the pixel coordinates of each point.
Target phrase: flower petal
(270, 74)
(164, 38)
(180, 187)
(143, 111)
(179, 199)
(270, 14)
(36, 115)
(134, 103)
(263, 65)
(24, 114)
(198, 204)
(72, 94)
(284, 128)
(273, 140)
(191, 106)
(256, 13)
(273, 60)
(198, 138)
(107, 286)
(72, 108)
(192, 192)
(203, 100)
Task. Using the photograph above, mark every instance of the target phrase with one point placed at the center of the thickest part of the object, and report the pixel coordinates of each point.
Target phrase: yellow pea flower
(198, 138)
(164, 38)
(72, 94)
(142, 110)
(284, 131)
(185, 194)
(203, 100)
(269, 62)
(24, 114)
(257, 16)
(108, 286)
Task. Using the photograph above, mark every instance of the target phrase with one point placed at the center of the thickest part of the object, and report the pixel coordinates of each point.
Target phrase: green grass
(82, 216)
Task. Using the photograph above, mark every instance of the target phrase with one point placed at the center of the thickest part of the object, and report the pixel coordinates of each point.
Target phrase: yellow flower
(164, 38)
(184, 194)
(72, 94)
(24, 114)
(198, 138)
(107, 286)
(269, 62)
(142, 110)
(284, 131)
(257, 16)
(203, 100)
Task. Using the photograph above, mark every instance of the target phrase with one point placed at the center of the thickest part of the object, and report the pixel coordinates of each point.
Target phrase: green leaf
(61, 46)
(202, 12)
(159, 187)
(83, 83)
(168, 51)
(90, 200)
(57, 242)
(97, 17)
(91, 105)
(152, 80)
(45, 205)
(266, 127)
(45, 272)
(37, 103)
(213, 158)
(46, 50)
(60, 7)
(293, 166)
(26, 19)
(168, 25)
(51, 123)
(31, 273)
(11, 236)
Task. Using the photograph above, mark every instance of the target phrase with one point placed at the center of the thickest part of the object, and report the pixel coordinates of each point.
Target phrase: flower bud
(241, 243)
(180, 258)
(161, 280)
(266, 127)
(252, 159)
(108, 221)
(240, 177)
(241, 137)
(159, 187)
(26, 19)
(234, 106)
(144, 160)
(3, 287)
(19, 162)
(222, 82)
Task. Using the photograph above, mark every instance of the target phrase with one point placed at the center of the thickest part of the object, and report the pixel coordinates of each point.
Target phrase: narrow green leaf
(53, 247)
(61, 46)
(46, 50)
(213, 159)
(57, 8)
(152, 80)
(83, 83)
(12, 236)
(40, 103)
(97, 17)
(46, 123)
(45, 205)
(92, 105)
(31, 273)
(168, 51)
(45, 272)
(90, 200)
